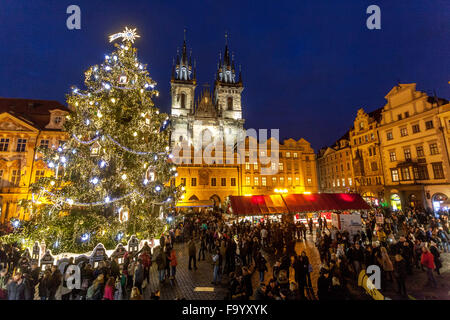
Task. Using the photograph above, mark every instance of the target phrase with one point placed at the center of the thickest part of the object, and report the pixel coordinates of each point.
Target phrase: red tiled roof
(32, 110)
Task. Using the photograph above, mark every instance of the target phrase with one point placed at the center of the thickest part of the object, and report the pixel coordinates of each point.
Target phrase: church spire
(226, 71)
(183, 68)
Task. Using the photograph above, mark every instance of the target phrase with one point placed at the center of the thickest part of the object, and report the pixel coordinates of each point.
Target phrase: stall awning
(258, 205)
(195, 204)
(296, 203)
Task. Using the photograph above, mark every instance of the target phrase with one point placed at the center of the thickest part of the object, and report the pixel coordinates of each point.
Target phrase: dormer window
(57, 120)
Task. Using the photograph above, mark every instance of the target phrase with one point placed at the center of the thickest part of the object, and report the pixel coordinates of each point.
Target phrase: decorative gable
(57, 119)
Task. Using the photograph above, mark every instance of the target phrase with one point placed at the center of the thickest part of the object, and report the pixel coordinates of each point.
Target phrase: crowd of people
(253, 260)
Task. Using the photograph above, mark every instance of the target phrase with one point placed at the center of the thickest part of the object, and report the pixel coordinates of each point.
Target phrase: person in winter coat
(261, 293)
(323, 285)
(427, 260)
(44, 285)
(161, 264)
(4, 284)
(192, 250)
(108, 293)
(437, 257)
(173, 263)
(400, 274)
(300, 270)
(55, 282)
(139, 276)
(17, 287)
(261, 266)
(386, 263)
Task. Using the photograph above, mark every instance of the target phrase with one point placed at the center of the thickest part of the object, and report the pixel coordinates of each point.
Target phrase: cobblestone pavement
(187, 280)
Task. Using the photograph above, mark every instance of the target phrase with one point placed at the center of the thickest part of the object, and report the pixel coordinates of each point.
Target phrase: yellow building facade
(335, 167)
(24, 125)
(414, 148)
(365, 147)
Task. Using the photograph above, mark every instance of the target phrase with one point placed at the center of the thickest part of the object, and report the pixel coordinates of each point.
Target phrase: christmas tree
(112, 176)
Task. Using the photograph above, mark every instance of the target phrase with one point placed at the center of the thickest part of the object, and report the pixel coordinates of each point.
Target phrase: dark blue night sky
(307, 65)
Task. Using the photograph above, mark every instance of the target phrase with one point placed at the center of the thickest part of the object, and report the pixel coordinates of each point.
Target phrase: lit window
(21, 144)
(39, 174)
(282, 181)
(349, 181)
(289, 179)
(394, 175)
(274, 181)
(309, 181)
(295, 154)
(392, 156)
(15, 178)
(280, 166)
(288, 154)
(263, 181)
(343, 182)
(434, 148)
(247, 166)
(407, 154)
(256, 181)
(247, 181)
(403, 132)
(420, 151)
(389, 136)
(44, 143)
(4, 144)
(405, 173)
(255, 166)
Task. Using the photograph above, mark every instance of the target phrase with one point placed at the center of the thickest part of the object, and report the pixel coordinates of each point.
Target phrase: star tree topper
(126, 35)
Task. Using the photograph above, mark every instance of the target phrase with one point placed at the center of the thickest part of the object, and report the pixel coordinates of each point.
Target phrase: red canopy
(296, 203)
(258, 205)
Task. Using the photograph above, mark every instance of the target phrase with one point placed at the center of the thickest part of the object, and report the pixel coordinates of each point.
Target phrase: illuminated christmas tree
(112, 177)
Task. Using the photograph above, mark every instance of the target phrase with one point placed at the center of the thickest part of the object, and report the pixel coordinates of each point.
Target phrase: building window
(263, 181)
(297, 181)
(394, 175)
(193, 182)
(420, 152)
(389, 136)
(407, 154)
(4, 144)
(15, 178)
(183, 100)
(295, 155)
(262, 154)
(420, 173)
(288, 154)
(57, 120)
(392, 156)
(223, 182)
(349, 181)
(21, 143)
(438, 171)
(247, 166)
(434, 148)
(338, 182)
(230, 103)
(429, 125)
(256, 181)
(183, 181)
(281, 181)
(280, 166)
(343, 182)
(374, 166)
(233, 182)
(274, 181)
(247, 181)
(415, 128)
(39, 174)
(213, 182)
(289, 180)
(405, 173)
(403, 132)
(309, 181)
(44, 143)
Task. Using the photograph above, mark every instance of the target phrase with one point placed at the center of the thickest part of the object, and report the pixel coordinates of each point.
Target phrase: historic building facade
(24, 125)
(293, 171)
(399, 153)
(414, 148)
(367, 166)
(211, 117)
(335, 167)
(216, 118)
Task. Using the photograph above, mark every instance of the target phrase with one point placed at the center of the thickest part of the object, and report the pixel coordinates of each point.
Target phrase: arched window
(230, 103)
(183, 100)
